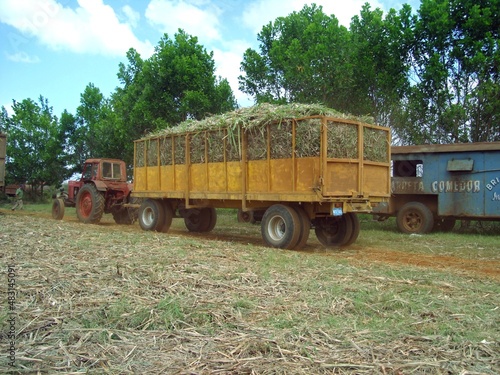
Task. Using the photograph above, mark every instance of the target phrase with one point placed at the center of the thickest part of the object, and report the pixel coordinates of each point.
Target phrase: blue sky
(55, 48)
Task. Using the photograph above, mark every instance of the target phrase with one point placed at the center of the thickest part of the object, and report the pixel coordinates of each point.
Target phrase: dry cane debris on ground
(102, 299)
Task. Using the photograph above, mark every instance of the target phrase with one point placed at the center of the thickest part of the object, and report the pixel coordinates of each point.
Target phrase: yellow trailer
(293, 174)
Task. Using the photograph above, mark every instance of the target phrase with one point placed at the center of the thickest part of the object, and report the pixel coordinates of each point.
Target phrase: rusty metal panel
(460, 165)
(464, 180)
(167, 178)
(375, 179)
(153, 178)
(198, 177)
(234, 177)
(140, 179)
(217, 181)
(180, 178)
(281, 175)
(307, 174)
(258, 176)
(341, 178)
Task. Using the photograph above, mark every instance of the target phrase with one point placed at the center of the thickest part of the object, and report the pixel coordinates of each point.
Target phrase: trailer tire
(245, 217)
(281, 227)
(58, 209)
(89, 204)
(415, 218)
(356, 226)
(200, 220)
(168, 214)
(305, 227)
(334, 231)
(151, 215)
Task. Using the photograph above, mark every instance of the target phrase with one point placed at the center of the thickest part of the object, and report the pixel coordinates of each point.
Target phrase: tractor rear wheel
(58, 209)
(89, 204)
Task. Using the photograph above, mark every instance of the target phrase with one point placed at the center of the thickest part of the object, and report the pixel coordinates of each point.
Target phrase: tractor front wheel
(58, 209)
(89, 204)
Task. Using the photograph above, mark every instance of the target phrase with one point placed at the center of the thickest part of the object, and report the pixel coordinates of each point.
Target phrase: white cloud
(197, 18)
(92, 27)
(227, 64)
(23, 57)
(133, 17)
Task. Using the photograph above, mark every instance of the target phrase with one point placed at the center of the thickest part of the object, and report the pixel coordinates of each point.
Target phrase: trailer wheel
(168, 214)
(355, 228)
(415, 217)
(58, 209)
(245, 217)
(334, 231)
(281, 227)
(151, 215)
(89, 204)
(305, 227)
(200, 219)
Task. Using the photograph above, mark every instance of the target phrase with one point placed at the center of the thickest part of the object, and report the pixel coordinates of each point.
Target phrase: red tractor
(103, 188)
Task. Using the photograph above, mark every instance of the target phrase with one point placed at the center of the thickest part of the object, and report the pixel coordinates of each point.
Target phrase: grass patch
(115, 299)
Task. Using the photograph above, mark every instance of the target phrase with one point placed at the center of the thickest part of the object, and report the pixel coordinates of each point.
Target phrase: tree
(303, 57)
(456, 59)
(176, 83)
(35, 145)
(381, 62)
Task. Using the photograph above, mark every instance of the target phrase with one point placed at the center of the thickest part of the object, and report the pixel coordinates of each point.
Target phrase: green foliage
(176, 83)
(455, 64)
(432, 76)
(303, 58)
(35, 145)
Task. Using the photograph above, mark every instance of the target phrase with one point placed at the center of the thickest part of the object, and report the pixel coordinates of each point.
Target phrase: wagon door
(356, 160)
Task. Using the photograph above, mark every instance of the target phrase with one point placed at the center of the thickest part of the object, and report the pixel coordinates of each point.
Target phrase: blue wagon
(434, 185)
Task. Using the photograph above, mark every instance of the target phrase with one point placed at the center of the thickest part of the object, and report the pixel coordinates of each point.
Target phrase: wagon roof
(256, 116)
(454, 147)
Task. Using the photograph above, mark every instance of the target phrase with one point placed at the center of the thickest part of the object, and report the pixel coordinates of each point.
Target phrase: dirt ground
(113, 299)
(485, 268)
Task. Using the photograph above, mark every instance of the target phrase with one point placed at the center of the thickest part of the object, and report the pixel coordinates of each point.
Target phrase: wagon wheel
(281, 227)
(151, 215)
(334, 231)
(415, 217)
(200, 219)
(355, 228)
(89, 204)
(58, 209)
(305, 227)
(245, 217)
(168, 216)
